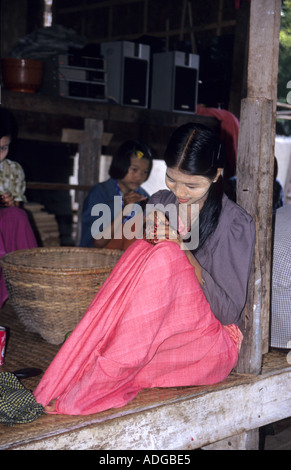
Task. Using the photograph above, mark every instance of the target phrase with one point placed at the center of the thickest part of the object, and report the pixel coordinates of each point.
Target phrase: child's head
(122, 161)
(8, 131)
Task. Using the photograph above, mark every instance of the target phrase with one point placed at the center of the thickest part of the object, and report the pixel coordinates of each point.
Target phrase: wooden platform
(171, 418)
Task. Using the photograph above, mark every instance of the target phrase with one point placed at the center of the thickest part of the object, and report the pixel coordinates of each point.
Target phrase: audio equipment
(77, 77)
(175, 81)
(127, 68)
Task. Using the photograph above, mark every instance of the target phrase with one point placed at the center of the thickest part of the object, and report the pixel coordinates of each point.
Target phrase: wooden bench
(224, 415)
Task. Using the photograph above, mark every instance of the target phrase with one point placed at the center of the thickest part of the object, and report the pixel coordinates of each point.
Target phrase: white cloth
(12, 179)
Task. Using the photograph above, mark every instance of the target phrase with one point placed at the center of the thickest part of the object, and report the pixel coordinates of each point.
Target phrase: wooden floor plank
(150, 421)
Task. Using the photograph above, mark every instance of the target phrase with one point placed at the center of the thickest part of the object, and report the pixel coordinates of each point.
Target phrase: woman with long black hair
(169, 314)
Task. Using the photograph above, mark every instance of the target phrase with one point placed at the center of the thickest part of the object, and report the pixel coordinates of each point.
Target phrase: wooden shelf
(42, 117)
(56, 105)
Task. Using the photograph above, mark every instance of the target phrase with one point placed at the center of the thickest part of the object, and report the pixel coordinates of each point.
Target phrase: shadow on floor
(276, 436)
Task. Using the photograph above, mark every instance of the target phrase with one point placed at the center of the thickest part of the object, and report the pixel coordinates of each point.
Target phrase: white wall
(283, 155)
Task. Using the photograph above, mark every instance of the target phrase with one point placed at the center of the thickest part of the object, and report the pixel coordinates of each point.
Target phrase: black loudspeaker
(175, 81)
(127, 72)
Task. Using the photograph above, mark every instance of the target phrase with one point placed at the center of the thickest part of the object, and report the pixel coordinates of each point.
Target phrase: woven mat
(26, 349)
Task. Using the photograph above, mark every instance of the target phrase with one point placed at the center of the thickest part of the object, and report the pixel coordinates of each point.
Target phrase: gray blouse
(225, 257)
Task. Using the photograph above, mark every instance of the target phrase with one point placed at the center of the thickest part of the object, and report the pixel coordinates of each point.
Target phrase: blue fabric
(100, 193)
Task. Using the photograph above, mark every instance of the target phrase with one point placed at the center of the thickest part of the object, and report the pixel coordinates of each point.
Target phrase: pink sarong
(15, 234)
(148, 326)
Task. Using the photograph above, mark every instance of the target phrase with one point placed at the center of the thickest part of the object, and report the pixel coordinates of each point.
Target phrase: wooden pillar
(255, 171)
(89, 161)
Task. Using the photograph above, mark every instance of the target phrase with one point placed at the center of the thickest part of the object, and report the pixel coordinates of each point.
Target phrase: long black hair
(196, 150)
(121, 161)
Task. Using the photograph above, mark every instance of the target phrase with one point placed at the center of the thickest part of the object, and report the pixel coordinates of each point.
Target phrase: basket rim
(6, 261)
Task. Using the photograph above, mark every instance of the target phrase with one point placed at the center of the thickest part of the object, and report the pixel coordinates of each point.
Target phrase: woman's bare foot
(50, 407)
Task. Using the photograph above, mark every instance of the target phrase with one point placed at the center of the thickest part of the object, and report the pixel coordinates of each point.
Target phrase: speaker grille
(135, 82)
(185, 89)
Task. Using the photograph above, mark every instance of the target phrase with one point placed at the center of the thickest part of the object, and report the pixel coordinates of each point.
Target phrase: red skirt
(148, 326)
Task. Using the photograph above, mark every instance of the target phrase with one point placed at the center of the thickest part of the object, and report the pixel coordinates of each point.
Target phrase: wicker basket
(51, 288)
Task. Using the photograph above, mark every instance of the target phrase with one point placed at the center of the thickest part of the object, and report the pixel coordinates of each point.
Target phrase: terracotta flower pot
(23, 75)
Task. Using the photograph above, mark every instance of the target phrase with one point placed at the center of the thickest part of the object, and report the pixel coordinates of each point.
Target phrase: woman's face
(137, 173)
(188, 189)
(4, 147)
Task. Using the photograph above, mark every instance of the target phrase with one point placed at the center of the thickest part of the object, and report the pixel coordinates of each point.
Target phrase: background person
(15, 229)
(130, 167)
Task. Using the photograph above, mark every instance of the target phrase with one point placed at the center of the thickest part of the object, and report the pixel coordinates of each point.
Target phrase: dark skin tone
(136, 175)
(186, 188)
(189, 189)
(7, 200)
(165, 232)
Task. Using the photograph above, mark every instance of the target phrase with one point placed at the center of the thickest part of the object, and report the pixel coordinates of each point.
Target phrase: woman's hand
(132, 197)
(7, 200)
(157, 229)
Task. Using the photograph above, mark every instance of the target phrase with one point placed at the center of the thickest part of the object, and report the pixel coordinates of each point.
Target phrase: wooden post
(89, 161)
(255, 171)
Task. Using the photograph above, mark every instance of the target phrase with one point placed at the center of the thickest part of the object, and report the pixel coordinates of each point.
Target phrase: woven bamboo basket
(51, 288)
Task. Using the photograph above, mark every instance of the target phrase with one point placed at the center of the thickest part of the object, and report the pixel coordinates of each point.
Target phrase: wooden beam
(240, 59)
(170, 33)
(56, 186)
(192, 35)
(77, 136)
(255, 189)
(45, 105)
(183, 15)
(187, 423)
(255, 171)
(89, 162)
(219, 18)
(95, 6)
(80, 9)
(248, 440)
(284, 105)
